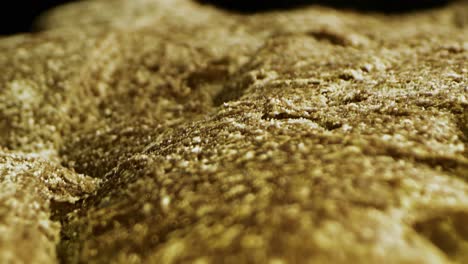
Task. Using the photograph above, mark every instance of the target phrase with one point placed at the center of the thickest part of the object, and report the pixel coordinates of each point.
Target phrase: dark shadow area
(384, 6)
(17, 16)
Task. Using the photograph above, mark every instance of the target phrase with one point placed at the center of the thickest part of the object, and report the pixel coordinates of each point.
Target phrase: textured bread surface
(168, 131)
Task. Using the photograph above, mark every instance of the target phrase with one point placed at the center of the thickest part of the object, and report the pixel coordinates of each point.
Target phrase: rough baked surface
(170, 131)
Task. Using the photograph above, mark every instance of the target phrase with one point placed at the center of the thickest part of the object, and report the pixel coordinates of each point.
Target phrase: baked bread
(172, 131)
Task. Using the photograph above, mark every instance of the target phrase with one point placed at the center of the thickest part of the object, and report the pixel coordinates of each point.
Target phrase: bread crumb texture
(174, 132)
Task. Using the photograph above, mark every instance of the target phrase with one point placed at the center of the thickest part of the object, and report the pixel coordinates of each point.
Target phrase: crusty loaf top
(169, 131)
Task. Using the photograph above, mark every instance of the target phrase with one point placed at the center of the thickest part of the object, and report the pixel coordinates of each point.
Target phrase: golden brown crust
(312, 135)
(28, 185)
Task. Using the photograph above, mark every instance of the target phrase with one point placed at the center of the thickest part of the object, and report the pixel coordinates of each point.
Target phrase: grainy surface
(27, 186)
(304, 136)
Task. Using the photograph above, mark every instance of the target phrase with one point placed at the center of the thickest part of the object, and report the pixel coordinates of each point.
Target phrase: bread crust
(311, 135)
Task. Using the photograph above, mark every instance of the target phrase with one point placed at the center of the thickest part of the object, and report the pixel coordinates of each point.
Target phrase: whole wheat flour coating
(174, 132)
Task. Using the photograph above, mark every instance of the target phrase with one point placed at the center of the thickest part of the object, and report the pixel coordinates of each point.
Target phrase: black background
(385, 6)
(18, 15)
